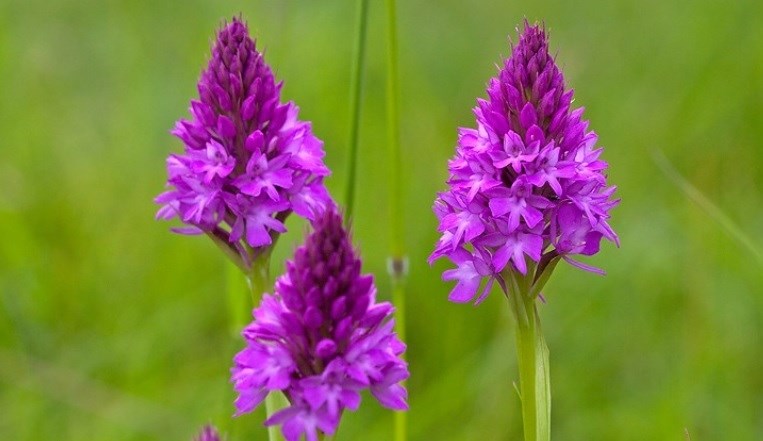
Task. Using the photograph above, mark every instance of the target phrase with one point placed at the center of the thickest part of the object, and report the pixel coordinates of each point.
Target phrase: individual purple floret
(526, 186)
(208, 433)
(248, 161)
(320, 339)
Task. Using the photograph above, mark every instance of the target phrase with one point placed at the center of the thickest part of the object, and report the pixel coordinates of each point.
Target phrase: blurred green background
(112, 328)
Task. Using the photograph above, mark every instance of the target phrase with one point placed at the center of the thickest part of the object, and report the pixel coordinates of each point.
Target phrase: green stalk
(532, 358)
(398, 265)
(398, 297)
(393, 136)
(239, 307)
(356, 78)
(239, 312)
(259, 283)
(259, 277)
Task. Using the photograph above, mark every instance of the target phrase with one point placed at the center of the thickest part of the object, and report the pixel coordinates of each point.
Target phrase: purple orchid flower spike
(248, 161)
(526, 187)
(321, 339)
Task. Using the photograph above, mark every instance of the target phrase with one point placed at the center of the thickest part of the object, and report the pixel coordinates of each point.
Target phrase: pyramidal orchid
(321, 339)
(527, 187)
(248, 161)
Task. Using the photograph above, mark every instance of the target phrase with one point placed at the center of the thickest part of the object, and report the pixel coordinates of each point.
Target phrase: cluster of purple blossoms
(528, 182)
(248, 161)
(320, 339)
(208, 433)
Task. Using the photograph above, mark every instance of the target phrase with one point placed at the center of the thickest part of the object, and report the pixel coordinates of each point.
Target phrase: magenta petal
(485, 291)
(464, 290)
(393, 397)
(501, 257)
(468, 281)
(314, 395)
(248, 108)
(246, 402)
(534, 134)
(189, 231)
(255, 141)
(499, 206)
(519, 261)
(532, 216)
(257, 235)
(527, 116)
(225, 127)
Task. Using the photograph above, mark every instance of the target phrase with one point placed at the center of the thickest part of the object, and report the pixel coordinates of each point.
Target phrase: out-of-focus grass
(113, 328)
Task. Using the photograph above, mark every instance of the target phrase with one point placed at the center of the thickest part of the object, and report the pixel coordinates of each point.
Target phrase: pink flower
(248, 161)
(527, 184)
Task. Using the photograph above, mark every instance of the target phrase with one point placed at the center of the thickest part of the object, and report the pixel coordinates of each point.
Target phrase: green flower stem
(239, 313)
(259, 277)
(259, 283)
(398, 264)
(393, 136)
(239, 307)
(532, 358)
(222, 242)
(542, 278)
(355, 95)
(398, 297)
(274, 402)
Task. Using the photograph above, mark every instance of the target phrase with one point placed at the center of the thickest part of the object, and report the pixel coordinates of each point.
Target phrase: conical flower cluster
(320, 339)
(248, 161)
(527, 183)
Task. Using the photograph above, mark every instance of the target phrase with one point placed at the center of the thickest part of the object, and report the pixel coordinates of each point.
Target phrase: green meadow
(113, 328)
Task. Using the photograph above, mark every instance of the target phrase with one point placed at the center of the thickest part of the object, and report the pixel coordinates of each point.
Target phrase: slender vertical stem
(259, 278)
(532, 359)
(393, 134)
(356, 87)
(398, 297)
(526, 361)
(274, 402)
(239, 312)
(259, 282)
(397, 263)
(239, 307)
